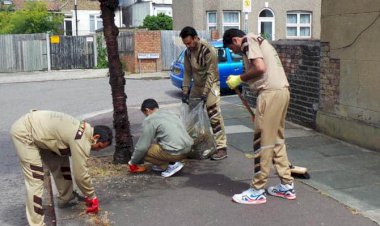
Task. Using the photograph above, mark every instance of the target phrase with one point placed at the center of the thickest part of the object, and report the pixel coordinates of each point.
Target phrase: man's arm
(211, 70)
(258, 68)
(80, 152)
(144, 143)
(186, 75)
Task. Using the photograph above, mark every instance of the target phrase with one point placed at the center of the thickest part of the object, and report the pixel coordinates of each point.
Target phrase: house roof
(63, 5)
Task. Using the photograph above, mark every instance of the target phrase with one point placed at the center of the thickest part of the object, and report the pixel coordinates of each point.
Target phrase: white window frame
(212, 24)
(298, 24)
(97, 18)
(236, 24)
(267, 19)
(68, 18)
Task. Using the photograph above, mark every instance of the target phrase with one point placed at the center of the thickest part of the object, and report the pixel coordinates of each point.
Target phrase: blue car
(228, 64)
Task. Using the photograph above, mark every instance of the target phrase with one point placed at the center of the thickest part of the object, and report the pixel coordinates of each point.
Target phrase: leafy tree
(33, 18)
(159, 22)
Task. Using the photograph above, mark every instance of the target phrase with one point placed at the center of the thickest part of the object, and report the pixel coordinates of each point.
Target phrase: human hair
(188, 31)
(105, 133)
(149, 103)
(231, 33)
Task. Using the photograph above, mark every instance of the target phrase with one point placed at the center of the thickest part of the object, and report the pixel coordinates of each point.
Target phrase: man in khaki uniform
(51, 137)
(264, 74)
(201, 67)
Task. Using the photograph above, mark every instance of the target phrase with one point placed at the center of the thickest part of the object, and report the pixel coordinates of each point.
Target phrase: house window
(231, 19)
(95, 23)
(211, 21)
(298, 25)
(266, 24)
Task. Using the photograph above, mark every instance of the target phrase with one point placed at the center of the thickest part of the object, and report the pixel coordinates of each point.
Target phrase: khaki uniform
(271, 108)
(51, 137)
(201, 67)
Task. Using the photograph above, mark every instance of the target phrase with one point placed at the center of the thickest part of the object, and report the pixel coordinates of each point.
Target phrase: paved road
(80, 98)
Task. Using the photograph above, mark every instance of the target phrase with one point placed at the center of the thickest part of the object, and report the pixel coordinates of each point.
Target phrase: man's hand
(204, 99)
(185, 98)
(92, 205)
(133, 168)
(233, 81)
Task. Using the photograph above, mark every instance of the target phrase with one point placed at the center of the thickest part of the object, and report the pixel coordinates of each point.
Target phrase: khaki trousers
(31, 158)
(157, 156)
(269, 139)
(214, 114)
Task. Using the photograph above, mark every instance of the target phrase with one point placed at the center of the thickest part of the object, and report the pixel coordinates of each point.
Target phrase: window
(231, 19)
(211, 21)
(95, 23)
(266, 24)
(298, 25)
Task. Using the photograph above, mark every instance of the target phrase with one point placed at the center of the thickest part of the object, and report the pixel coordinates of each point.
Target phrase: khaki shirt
(65, 136)
(201, 66)
(254, 47)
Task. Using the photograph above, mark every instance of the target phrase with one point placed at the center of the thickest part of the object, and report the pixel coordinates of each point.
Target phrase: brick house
(277, 19)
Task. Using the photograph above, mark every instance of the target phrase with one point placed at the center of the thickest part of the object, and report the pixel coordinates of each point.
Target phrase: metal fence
(171, 46)
(23, 52)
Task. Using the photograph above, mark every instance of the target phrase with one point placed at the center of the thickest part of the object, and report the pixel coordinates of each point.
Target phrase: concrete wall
(193, 13)
(352, 29)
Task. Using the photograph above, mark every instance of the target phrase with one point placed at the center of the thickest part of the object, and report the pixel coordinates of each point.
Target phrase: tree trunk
(123, 137)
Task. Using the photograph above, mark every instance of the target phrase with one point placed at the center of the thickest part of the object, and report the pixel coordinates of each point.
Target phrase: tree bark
(123, 137)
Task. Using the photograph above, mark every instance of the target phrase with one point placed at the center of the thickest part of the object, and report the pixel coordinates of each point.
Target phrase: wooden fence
(23, 53)
(72, 52)
(37, 52)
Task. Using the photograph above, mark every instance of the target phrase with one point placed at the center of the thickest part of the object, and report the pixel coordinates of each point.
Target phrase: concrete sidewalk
(38, 76)
(343, 189)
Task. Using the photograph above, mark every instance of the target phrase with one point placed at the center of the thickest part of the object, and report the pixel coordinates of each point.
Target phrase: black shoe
(219, 154)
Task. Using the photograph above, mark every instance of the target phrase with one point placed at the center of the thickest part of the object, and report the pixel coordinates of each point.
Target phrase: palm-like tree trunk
(123, 137)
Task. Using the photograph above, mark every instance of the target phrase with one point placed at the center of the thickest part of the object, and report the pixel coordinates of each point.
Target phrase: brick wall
(313, 79)
(329, 79)
(144, 42)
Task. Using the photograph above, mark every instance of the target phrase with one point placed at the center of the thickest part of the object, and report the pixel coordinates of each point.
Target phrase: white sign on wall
(247, 6)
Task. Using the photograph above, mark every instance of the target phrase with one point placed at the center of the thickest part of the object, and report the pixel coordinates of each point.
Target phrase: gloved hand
(233, 81)
(185, 98)
(204, 99)
(92, 205)
(133, 168)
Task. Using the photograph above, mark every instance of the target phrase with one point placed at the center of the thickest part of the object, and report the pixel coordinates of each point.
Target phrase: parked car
(228, 64)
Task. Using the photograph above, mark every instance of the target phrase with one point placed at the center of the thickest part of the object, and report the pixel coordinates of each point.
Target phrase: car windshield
(180, 57)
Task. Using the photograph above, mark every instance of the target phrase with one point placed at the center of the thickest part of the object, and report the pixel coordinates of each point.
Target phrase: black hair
(231, 33)
(105, 133)
(149, 103)
(188, 31)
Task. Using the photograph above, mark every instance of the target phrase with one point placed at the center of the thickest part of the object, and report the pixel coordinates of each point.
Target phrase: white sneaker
(172, 169)
(250, 196)
(285, 191)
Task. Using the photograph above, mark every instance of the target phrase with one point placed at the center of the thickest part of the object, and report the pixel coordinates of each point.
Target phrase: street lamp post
(76, 17)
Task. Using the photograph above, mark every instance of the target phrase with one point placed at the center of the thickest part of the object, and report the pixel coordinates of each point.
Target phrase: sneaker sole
(282, 196)
(176, 170)
(220, 158)
(254, 202)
